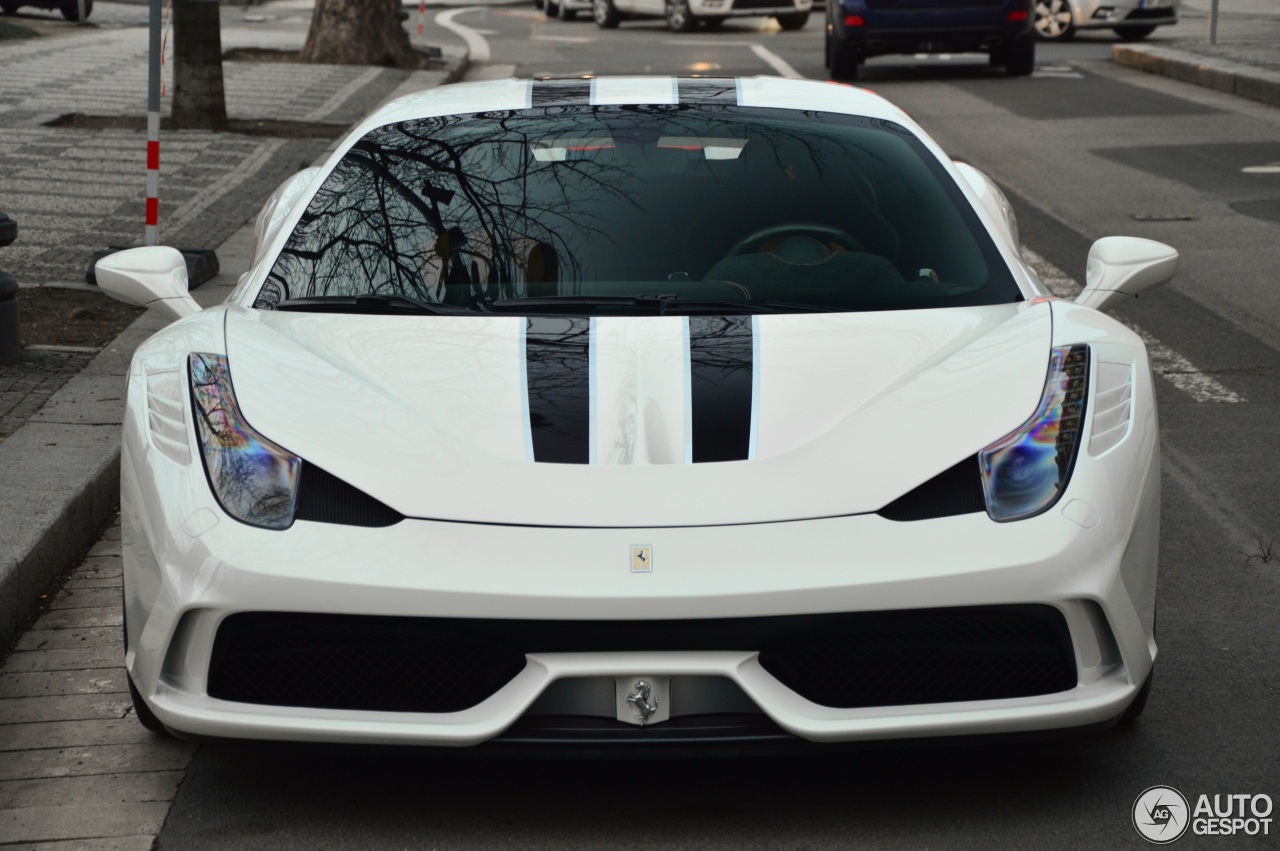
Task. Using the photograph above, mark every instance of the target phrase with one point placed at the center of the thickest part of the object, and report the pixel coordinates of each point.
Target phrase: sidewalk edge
(1221, 75)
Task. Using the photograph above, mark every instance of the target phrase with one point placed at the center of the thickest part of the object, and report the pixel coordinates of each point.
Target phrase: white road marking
(1273, 168)
(1167, 363)
(776, 62)
(332, 105)
(491, 72)
(476, 43)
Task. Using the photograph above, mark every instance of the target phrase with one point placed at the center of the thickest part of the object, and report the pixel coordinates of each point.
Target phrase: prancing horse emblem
(639, 701)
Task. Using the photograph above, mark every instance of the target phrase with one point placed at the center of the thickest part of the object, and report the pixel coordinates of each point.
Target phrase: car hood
(473, 418)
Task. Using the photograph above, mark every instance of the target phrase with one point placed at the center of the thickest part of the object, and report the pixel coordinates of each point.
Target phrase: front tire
(842, 61)
(606, 14)
(679, 18)
(71, 11)
(567, 14)
(1020, 61)
(1054, 20)
(794, 21)
(551, 10)
(1134, 33)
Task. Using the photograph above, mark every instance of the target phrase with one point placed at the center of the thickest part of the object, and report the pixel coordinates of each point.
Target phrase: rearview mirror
(1121, 267)
(148, 277)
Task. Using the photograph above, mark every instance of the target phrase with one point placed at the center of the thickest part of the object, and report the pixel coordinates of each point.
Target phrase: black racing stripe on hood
(557, 355)
(557, 92)
(705, 90)
(720, 373)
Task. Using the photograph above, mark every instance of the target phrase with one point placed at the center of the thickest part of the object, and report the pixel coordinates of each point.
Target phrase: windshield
(598, 210)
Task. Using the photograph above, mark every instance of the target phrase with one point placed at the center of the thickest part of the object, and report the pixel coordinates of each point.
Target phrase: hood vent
(955, 491)
(324, 498)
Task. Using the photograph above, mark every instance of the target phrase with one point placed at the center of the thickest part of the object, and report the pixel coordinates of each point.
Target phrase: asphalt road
(1086, 149)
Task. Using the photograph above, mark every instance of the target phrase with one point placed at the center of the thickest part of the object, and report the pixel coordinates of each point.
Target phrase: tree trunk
(359, 32)
(199, 100)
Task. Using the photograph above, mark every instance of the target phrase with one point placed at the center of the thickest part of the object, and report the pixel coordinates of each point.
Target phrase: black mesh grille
(324, 498)
(345, 662)
(450, 664)
(926, 656)
(955, 491)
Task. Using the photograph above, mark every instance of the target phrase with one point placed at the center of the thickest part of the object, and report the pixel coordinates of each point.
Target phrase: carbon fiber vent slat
(324, 498)
(954, 491)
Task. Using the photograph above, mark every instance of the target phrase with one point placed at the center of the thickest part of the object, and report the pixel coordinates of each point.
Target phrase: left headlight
(1026, 472)
(254, 480)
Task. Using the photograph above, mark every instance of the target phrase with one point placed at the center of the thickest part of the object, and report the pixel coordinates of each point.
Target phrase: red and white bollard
(422, 15)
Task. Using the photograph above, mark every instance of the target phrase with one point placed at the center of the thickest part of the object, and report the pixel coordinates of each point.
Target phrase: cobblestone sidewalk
(74, 764)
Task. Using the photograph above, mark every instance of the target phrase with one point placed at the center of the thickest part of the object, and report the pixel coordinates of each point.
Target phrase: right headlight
(1026, 472)
(254, 480)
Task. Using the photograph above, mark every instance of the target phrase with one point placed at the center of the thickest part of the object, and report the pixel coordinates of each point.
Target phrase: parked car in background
(860, 29)
(686, 15)
(1058, 20)
(70, 9)
(565, 10)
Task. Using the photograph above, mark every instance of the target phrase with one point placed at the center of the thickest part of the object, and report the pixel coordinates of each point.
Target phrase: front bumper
(178, 597)
(1109, 14)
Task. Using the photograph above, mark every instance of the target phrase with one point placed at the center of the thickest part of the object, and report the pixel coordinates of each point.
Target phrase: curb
(61, 470)
(1220, 75)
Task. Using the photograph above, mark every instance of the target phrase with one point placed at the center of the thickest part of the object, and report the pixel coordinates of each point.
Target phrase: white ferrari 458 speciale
(639, 410)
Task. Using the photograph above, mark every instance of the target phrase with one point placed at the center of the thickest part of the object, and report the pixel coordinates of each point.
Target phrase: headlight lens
(1025, 473)
(255, 480)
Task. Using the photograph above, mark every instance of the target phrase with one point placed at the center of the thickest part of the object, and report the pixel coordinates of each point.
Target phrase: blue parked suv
(860, 29)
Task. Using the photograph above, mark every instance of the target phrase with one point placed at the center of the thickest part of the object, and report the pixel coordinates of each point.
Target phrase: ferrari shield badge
(641, 558)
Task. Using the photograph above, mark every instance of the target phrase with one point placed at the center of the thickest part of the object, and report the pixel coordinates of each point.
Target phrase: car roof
(497, 95)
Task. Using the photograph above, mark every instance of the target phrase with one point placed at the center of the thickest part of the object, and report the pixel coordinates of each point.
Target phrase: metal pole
(1213, 23)
(153, 127)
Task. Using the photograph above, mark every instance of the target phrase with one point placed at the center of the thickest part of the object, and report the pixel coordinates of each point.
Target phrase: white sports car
(639, 410)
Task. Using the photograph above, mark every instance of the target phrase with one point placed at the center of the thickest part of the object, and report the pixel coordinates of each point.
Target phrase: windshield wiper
(369, 303)
(660, 304)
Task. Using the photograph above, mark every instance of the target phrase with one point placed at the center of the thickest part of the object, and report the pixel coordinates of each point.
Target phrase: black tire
(1054, 20)
(551, 10)
(606, 14)
(713, 23)
(537, 4)
(1139, 704)
(1134, 33)
(567, 14)
(679, 17)
(1020, 60)
(844, 62)
(794, 21)
(71, 10)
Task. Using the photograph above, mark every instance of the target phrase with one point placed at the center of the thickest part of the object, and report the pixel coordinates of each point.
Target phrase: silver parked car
(1058, 20)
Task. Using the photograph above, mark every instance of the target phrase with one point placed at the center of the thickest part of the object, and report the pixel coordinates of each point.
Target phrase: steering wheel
(800, 243)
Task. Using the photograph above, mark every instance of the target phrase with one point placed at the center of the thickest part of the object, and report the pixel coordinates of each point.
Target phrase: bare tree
(359, 32)
(199, 100)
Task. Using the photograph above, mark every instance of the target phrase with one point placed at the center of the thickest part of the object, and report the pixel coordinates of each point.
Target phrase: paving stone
(112, 843)
(67, 639)
(86, 598)
(155, 754)
(63, 707)
(41, 683)
(133, 787)
(104, 548)
(77, 618)
(101, 654)
(65, 734)
(34, 824)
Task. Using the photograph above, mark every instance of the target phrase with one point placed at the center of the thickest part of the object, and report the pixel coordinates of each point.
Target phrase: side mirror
(278, 206)
(1121, 267)
(148, 277)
